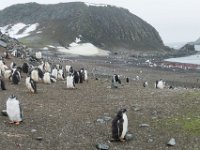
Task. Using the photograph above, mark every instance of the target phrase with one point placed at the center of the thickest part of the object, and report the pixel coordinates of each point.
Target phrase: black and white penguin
(54, 72)
(47, 78)
(115, 81)
(81, 75)
(120, 126)
(145, 84)
(127, 80)
(61, 74)
(70, 81)
(13, 65)
(25, 68)
(160, 84)
(69, 69)
(76, 77)
(2, 84)
(14, 110)
(16, 77)
(85, 75)
(36, 74)
(31, 84)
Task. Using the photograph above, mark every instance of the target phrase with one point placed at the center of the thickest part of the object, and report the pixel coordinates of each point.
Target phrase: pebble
(150, 140)
(100, 121)
(33, 130)
(144, 125)
(102, 146)
(129, 136)
(171, 142)
(4, 113)
(106, 118)
(39, 138)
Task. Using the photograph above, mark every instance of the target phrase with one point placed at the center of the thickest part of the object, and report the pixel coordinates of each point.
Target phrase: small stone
(106, 118)
(137, 109)
(171, 142)
(144, 125)
(39, 138)
(33, 130)
(4, 113)
(129, 136)
(150, 140)
(102, 146)
(100, 121)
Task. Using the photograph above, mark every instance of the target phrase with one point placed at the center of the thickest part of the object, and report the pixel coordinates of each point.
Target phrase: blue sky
(175, 20)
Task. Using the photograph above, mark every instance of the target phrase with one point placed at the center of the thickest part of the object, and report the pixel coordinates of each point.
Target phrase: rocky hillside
(107, 27)
(197, 41)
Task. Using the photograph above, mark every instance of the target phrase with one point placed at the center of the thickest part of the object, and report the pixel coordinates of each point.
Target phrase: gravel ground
(57, 118)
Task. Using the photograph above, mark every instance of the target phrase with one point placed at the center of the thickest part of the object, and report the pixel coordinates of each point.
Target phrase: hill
(108, 27)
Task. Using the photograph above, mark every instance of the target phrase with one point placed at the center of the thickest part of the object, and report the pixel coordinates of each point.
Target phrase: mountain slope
(107, 27)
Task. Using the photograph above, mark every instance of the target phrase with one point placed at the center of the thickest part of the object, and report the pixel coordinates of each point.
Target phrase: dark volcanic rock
(106, 26)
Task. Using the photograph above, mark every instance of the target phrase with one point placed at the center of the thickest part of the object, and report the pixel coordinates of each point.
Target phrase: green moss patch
(190, 125)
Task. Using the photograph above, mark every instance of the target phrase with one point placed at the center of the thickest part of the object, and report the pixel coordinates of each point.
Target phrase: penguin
(31, 84)
(61, 74)
(85, 75)
(25, 67)
(127, 80)
(115, 80)
(16, 77)
(12, 65)
(70, 81)
(38, 55)
(160, 84)
(14, 110)
(145, 84)
(36, 74)
(8, 74)
(54, 73)
(59, 66)
(47, 78)
(69, 69)
(53, 79)
(76, 77)
(120, 126)
(47, 67)
(81, 74)
(2, 84)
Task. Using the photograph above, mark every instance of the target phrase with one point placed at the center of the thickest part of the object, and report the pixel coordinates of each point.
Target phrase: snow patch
(84, 49)
(13, 30)
(97, 5)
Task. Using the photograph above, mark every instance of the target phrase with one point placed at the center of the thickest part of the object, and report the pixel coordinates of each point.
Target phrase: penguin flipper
(3, 85)
(33, 85)
(21, 113)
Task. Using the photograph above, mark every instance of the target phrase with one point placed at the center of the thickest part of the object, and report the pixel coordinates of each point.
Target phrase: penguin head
(120, 113)
(12, 96)
(124, 110)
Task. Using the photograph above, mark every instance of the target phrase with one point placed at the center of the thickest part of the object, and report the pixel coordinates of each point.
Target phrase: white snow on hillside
(84, 49)
(14, 30)
(97, 5)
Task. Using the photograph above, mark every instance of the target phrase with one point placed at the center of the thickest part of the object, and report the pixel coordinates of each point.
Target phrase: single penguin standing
(115, 80)
(31, 84)
(47, 78)
(16, 77)
(120, 126)
(14, 110)
(160, 84)
(76, 77)
(70, 81)
(25, 68)
(2, 84)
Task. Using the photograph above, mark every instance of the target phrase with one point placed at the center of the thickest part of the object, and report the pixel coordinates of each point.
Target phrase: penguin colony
(48, 74)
